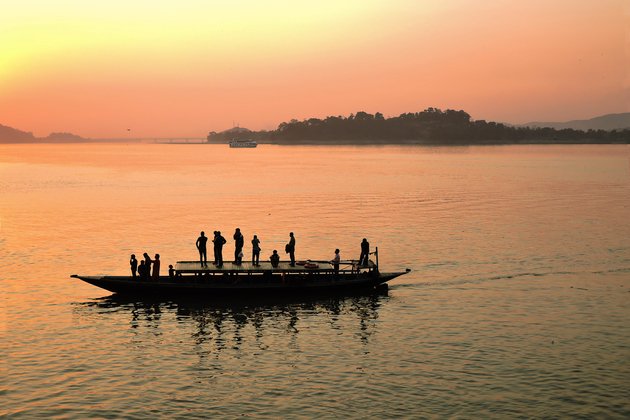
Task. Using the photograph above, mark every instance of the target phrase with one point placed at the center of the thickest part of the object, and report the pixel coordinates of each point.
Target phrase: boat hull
(239, 286)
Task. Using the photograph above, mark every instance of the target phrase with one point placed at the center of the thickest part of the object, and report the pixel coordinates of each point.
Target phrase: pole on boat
(376, 253)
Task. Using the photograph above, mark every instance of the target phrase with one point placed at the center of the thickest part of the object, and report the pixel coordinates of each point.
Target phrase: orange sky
(182, 68)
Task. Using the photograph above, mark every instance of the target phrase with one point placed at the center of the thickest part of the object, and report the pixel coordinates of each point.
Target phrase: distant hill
(13, 135)
(62, 138)
(604, 122)
(234, 133)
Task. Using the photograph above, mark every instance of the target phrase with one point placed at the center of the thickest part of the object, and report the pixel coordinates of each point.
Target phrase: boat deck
(183, 267)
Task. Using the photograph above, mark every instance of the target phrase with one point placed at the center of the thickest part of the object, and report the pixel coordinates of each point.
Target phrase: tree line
(431, 126)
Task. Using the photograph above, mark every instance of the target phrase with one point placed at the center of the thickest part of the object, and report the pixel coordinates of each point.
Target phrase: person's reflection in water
(292, 328)
(219, 342)
(240, 320)
(201, 335)
(367, 310)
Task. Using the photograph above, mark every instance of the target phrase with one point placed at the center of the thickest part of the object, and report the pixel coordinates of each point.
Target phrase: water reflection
(222, 324)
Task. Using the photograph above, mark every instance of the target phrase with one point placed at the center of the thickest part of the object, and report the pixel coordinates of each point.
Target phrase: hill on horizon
(13, 135)
(604, 122)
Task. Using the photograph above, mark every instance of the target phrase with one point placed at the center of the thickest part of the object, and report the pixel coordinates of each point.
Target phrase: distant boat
(243, 143)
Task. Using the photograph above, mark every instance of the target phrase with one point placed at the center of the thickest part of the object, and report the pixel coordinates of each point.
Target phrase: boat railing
(375, 253)
(246, 269)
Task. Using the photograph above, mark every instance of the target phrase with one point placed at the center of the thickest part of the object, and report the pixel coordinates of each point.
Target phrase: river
(518, 302)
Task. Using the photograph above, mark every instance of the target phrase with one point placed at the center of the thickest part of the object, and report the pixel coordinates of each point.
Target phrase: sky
(142, 68)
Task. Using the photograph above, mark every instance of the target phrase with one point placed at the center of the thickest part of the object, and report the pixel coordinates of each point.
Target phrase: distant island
(13, 135)
(432, 126)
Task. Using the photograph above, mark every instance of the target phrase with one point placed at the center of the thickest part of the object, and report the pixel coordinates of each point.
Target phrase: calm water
(518, 303)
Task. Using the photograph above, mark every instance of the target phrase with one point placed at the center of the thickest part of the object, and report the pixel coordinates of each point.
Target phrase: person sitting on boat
(239, 241)
(171, 272)
(134, 265)
(335, 261)
(142, 272)
(255, 251)
(219, 241)
(275, 259)
(201, 247)
(156, 267)
(365, 253)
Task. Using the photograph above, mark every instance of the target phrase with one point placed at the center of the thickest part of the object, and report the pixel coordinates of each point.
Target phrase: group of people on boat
(239, 241)
(150, 268)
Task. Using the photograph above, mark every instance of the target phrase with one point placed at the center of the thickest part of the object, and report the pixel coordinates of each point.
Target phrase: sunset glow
(185, 68)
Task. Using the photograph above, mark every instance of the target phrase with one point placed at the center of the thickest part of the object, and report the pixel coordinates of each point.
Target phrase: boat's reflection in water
(230, 321)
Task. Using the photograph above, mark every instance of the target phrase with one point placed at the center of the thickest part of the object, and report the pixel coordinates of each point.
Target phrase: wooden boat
(305, 278)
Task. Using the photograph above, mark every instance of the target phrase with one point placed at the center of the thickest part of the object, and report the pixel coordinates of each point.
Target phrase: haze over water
(517, 303)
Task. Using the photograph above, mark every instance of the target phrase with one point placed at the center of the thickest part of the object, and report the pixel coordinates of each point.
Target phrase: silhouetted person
(171, 272)
(147, 265)
(134, 265)
(335, 261)
(142, 271)
(255, 251)
(275, 259)
(365, 253)
(290, 249)
(201, 247)
(239, 241)
(156, 267)
(215, 246)
(219, 241)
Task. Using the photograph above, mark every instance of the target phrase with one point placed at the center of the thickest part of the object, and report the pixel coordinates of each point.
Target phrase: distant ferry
(243, 143)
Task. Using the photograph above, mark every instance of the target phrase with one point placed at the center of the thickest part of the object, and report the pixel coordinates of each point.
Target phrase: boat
(305, 278)
(243, 143)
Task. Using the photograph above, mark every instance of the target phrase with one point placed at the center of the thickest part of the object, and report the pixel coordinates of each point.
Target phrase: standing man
(147, 265)
(335, 261)
(201, 247)
(219, 241)
(156, 267)
(214, 238)
(255, 251)
(134, 265)
(290, 248)
(365, 253)
(239, 241)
